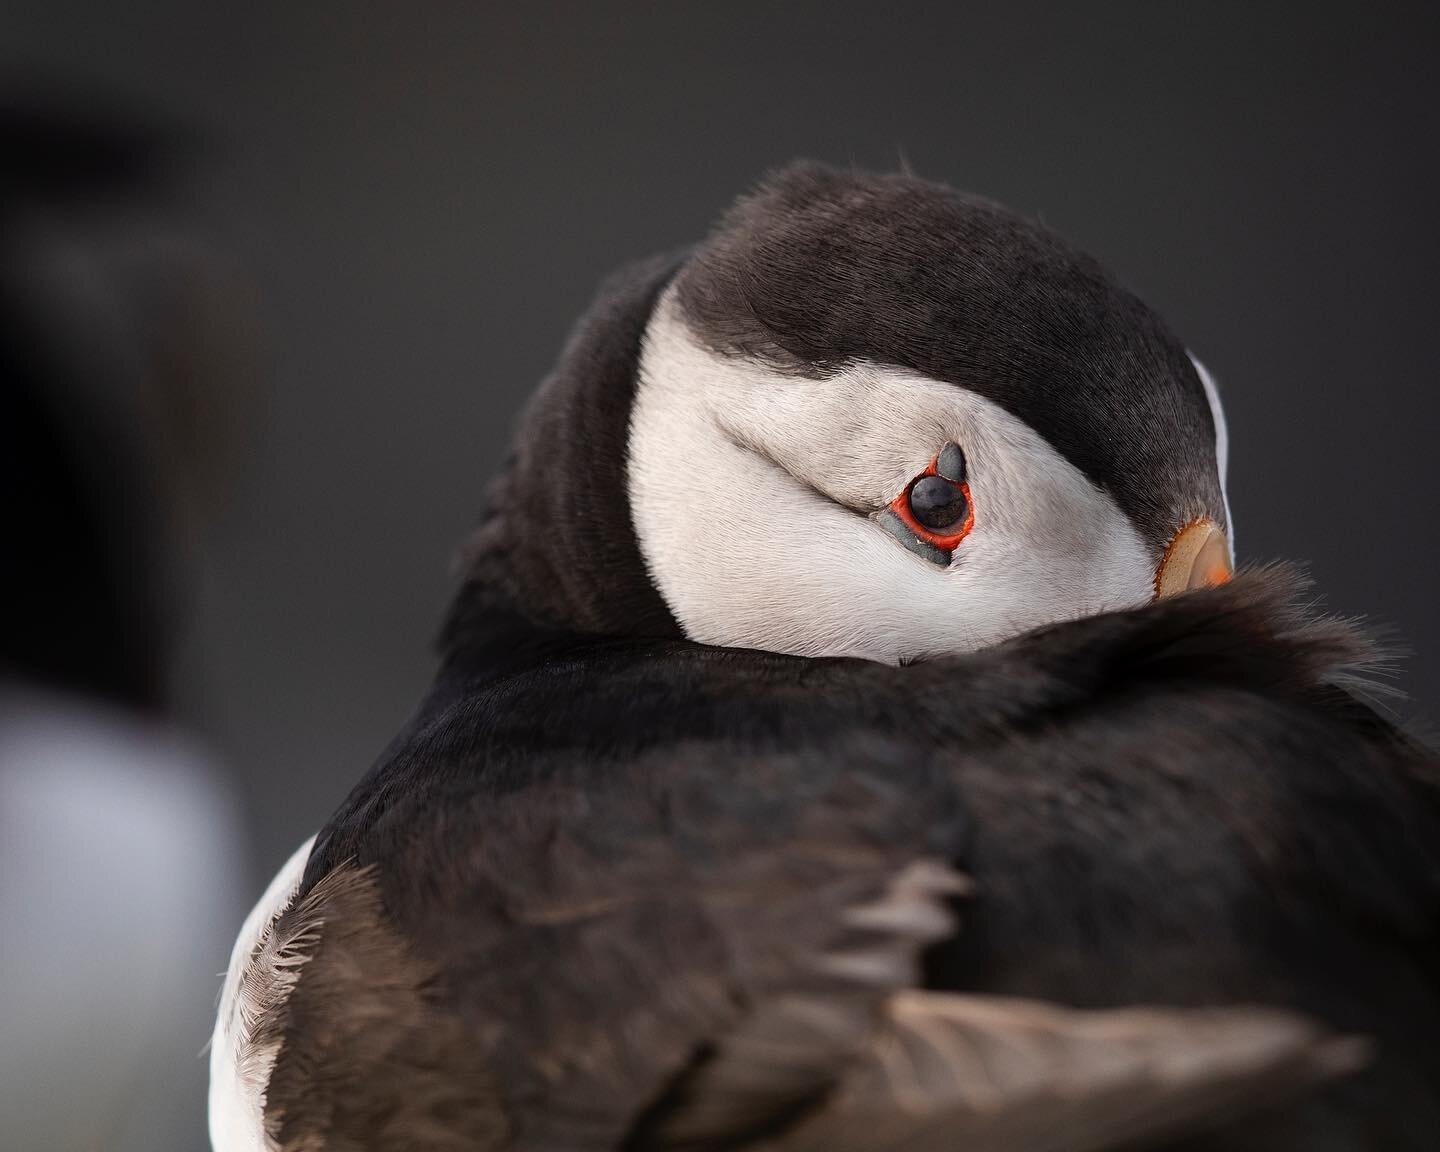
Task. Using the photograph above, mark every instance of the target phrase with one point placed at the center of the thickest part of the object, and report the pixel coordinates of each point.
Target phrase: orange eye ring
(945, 541)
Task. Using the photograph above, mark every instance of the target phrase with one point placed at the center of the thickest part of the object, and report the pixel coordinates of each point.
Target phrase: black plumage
(1178, 805)
(613, 889)
(821, 267)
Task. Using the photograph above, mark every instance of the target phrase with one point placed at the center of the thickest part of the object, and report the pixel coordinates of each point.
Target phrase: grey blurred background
(422, 197)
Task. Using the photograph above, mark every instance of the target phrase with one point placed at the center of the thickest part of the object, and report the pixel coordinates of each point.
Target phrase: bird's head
(871, 417)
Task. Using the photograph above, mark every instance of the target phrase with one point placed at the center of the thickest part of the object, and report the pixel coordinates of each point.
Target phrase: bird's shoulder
(588, 862)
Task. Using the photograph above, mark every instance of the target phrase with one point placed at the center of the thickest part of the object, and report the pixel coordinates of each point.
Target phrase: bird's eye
(934, 512)
(938, 504)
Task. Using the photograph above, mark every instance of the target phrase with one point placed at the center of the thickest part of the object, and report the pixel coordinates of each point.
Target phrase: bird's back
(610, 893)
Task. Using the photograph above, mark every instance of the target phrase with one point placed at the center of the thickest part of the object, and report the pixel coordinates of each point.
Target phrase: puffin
(851, 733)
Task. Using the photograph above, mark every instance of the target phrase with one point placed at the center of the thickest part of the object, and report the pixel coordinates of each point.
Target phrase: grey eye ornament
(934, 513)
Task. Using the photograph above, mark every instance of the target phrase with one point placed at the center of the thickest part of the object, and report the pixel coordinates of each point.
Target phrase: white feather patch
(752, 492)
(260, 977)
(1222, 446)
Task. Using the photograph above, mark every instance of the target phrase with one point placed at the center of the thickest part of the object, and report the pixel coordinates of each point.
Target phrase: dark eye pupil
(936, 502)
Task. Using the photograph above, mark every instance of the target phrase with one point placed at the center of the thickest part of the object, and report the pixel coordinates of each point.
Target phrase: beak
(1198, 556)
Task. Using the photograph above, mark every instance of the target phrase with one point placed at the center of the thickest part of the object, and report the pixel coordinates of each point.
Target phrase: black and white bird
(819, 759)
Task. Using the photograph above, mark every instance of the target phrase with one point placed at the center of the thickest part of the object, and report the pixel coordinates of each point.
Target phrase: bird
(852, 732)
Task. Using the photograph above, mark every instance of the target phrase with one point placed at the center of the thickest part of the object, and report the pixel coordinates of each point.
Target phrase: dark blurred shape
(103, 344)
(119, 840)
(66, 150)
(81, 612)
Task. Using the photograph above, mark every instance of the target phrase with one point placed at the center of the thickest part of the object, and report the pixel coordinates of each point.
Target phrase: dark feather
(623, 861)
(821, 267)
(625, 891)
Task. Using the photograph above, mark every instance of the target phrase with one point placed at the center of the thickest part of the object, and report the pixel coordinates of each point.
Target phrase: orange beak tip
(1198, 556)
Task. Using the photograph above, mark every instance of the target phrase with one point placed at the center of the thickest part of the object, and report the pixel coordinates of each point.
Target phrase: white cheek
(740, 480)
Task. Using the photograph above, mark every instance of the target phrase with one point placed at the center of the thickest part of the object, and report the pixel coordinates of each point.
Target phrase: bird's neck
(556, 552)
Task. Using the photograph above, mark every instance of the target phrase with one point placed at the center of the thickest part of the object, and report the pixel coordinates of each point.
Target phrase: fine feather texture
(755, 497)
(995, 1075)
(613, 854)
(822, 267)
(790, 1051)
(821, 270)
(368, 1063)
(264, 967)
(614, 889)
(567, 552)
